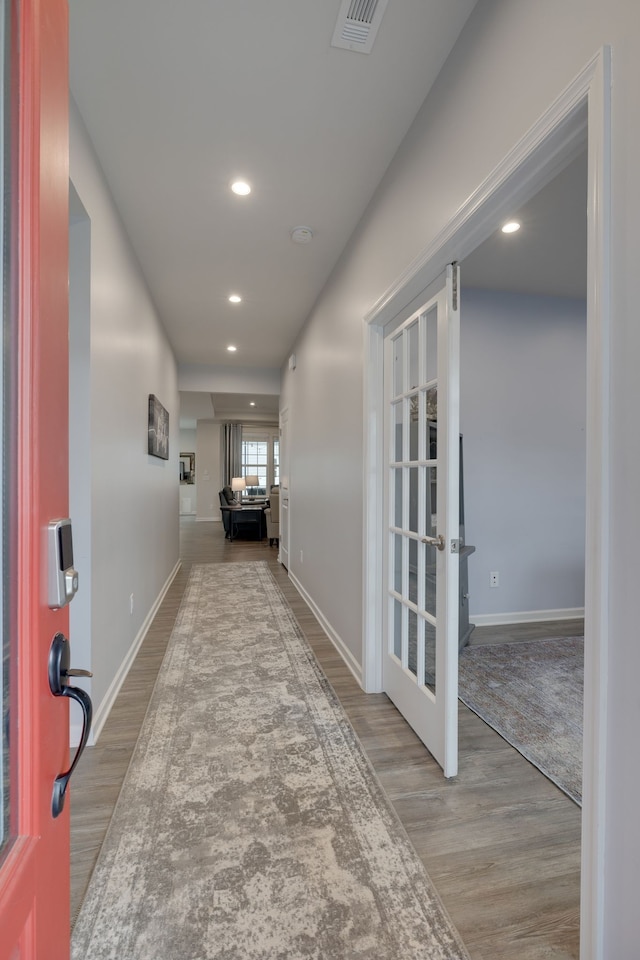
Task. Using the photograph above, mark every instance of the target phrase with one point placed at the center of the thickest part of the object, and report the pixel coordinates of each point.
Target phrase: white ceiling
(180, 98)
(548, 255)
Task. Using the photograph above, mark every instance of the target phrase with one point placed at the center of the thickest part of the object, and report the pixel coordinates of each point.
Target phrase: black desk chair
(234, 522)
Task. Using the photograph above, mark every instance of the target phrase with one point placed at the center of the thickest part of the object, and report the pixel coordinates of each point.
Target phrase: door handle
(59, 673)
(435, 541)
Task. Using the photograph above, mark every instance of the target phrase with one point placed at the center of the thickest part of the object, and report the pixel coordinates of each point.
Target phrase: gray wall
(522, 413)
(208, 470)
(80, 439)
(511, 62)
(188, 492)
(133, 526)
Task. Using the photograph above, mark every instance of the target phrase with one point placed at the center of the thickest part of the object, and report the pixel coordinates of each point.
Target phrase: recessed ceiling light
(252, 403)
(241, 187)
(511, 226)
(231, 348)
(234, 298)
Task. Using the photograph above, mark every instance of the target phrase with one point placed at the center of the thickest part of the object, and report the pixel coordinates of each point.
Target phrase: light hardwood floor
(500, 842)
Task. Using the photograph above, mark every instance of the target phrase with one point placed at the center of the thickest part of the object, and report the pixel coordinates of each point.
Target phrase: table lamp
(238, 485)
(252, 480)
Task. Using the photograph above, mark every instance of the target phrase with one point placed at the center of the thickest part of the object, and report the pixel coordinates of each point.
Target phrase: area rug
(531, 693)
(250, 825)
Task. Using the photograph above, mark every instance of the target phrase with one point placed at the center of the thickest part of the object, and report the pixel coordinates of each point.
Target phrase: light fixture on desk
(238, 485)
(252, 480)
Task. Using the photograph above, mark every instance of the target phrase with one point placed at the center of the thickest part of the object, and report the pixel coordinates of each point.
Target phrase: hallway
(500, 842)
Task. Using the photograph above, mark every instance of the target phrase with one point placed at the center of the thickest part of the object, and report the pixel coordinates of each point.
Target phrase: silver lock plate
(62, 578)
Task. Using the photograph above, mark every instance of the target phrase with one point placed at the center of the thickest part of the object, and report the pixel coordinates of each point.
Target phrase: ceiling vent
(358, 23)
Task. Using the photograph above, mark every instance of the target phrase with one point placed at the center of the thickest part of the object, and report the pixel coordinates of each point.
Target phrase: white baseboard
(208, 519)
(102, 712)
(339, 644)
(525, 616)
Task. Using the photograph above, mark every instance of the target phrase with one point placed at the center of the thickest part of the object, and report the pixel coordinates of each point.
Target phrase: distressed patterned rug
(531, 693)
(250, 825)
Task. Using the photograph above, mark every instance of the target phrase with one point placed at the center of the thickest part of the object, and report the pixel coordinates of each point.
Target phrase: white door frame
(285, 489)
(582, 114)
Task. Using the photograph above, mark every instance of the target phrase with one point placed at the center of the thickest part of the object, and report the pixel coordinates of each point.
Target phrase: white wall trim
(550, 145)
(208, 519)
(372, 507)
(598, 533)
(337, 642)
(526, 616)
(104, 709)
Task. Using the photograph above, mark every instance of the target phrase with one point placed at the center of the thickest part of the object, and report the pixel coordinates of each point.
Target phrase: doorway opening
(580, 115)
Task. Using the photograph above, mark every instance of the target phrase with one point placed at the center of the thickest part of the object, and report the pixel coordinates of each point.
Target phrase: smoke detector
(301, 234)
(357, 24)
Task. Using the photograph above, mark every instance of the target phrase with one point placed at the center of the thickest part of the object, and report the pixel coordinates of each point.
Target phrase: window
(261, 457)
(255, 461)
(276, 463)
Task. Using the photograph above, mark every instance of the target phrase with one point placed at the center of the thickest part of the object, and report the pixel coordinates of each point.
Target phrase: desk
(246, 516)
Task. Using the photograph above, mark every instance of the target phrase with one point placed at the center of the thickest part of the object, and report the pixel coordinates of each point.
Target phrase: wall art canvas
(158, 429)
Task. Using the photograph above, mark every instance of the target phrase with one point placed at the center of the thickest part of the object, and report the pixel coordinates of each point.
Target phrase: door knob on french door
(435, 541)
(59, 673)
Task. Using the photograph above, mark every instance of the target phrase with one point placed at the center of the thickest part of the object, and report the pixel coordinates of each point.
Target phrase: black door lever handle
(59, 672)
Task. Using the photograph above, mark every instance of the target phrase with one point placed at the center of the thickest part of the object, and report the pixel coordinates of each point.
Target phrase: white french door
(420, 663)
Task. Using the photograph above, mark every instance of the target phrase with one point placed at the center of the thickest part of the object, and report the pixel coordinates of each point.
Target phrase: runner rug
(250, 825)
(531, 693)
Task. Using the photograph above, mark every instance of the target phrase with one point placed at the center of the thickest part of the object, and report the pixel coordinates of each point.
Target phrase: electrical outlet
(131, 604)
(494, 579)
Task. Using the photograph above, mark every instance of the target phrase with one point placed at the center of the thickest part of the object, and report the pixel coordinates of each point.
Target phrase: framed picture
(158, 429)
(187, 468)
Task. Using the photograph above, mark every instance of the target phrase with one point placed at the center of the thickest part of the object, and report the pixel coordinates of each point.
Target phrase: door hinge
(455, 546)
(455, 284)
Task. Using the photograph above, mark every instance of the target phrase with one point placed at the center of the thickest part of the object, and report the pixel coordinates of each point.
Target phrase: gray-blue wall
(522, 414)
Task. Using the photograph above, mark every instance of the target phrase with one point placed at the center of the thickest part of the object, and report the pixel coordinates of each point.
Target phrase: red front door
(34, 852)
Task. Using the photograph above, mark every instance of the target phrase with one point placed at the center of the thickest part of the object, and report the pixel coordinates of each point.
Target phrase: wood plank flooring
(500, 842)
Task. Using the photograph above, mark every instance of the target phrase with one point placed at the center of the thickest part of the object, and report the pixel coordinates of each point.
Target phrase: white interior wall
(323, 396)
(522, 414)
(208, 469)
(80, 442)
(510, 64)
(198, 379)
(188, 492)
(134, 497)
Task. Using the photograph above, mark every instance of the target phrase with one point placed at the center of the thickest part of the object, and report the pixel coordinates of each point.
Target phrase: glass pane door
(420, 662)
(413, 481)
